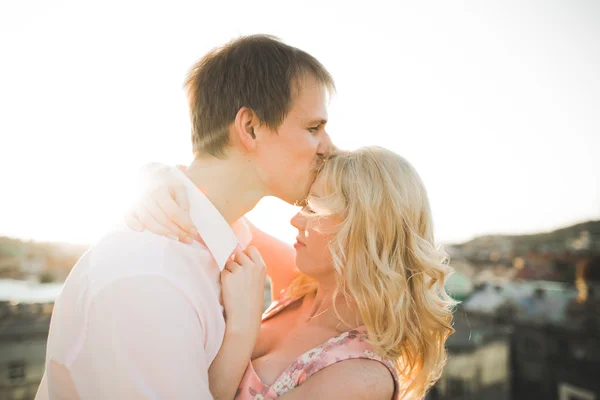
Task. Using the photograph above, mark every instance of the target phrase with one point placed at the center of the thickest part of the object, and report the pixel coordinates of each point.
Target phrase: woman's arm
(242, 282)
(163, 206)
(228, 367)
(279, 257)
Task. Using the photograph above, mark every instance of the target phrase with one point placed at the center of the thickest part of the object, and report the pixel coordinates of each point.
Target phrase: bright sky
(497, 104)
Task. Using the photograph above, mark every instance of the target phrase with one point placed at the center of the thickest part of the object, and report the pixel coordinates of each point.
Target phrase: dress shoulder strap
(278, 305)
(351, 344)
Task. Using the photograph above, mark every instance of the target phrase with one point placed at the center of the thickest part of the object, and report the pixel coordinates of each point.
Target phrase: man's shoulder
(126, 243)
(131, 251)
(123, 253)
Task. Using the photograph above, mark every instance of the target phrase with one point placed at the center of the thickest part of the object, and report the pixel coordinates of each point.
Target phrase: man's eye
(314, 129)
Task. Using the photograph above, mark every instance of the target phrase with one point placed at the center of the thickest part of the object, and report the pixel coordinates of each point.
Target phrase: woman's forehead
(317, 189)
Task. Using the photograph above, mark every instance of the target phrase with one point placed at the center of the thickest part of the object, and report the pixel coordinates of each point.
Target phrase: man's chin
(297, 200)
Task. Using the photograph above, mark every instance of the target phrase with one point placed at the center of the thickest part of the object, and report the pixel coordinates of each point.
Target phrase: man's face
(289, 156)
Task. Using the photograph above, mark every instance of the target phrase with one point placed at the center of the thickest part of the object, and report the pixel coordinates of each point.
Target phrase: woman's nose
(298, 221)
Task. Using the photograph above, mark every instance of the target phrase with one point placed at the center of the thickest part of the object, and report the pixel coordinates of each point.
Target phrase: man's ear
(245, 124)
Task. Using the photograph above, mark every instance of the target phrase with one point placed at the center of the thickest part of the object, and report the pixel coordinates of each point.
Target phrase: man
(139, 315)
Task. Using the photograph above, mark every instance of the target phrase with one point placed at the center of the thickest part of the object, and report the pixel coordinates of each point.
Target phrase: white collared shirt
(139, 316)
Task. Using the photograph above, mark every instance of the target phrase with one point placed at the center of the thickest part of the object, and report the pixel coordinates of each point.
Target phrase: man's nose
(326, 144)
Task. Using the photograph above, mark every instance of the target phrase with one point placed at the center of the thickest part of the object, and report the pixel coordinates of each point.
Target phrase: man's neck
(229, 184)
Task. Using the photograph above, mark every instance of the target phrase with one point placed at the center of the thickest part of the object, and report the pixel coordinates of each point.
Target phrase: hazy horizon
(291, 240)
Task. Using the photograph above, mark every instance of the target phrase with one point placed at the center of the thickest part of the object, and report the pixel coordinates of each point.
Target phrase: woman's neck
(322, 309)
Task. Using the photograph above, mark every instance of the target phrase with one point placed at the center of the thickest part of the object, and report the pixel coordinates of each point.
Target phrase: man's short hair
(258, 72)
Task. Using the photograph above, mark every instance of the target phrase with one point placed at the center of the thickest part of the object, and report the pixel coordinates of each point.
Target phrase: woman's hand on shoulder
(163, 208)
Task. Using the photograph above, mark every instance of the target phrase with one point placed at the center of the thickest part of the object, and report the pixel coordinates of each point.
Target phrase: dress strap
(352, 344)
(278, 305)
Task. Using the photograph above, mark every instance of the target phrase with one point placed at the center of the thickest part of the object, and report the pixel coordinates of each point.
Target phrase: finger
(132, 222)
(156, 207)
(224, 275)
(256, 258)
(254, 254)
(242, 258)
(168, 228)
(147, 220)
(184, 220)
(176, 215)
(232, 266)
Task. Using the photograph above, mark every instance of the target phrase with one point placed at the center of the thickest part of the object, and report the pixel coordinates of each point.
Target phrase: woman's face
(313, 256)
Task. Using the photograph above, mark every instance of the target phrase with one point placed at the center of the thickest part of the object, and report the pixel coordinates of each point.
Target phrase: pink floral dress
(348, 345)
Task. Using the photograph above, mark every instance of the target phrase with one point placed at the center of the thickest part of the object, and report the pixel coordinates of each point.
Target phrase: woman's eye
(308, 210)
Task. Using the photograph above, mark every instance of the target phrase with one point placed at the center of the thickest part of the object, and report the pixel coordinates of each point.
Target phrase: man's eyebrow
(319, 121)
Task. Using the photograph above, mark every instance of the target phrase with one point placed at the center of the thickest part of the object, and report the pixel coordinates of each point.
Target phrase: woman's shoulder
(358, 378)
(325, 371)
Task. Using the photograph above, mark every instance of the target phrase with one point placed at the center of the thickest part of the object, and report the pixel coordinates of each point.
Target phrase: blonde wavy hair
(386, 261)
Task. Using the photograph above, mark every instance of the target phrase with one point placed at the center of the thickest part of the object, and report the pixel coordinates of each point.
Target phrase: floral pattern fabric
(350, 344)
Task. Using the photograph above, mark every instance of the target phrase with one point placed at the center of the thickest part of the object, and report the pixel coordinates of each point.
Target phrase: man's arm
(144, 341)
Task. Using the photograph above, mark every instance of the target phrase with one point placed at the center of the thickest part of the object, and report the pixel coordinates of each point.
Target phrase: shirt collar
(220, 238)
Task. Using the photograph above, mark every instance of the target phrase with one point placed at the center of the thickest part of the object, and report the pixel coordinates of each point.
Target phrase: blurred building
(556, 346)
(478, 364)
(524, 340)
(25, 310)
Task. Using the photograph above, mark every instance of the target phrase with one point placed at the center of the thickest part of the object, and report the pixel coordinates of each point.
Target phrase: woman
(366, 307)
